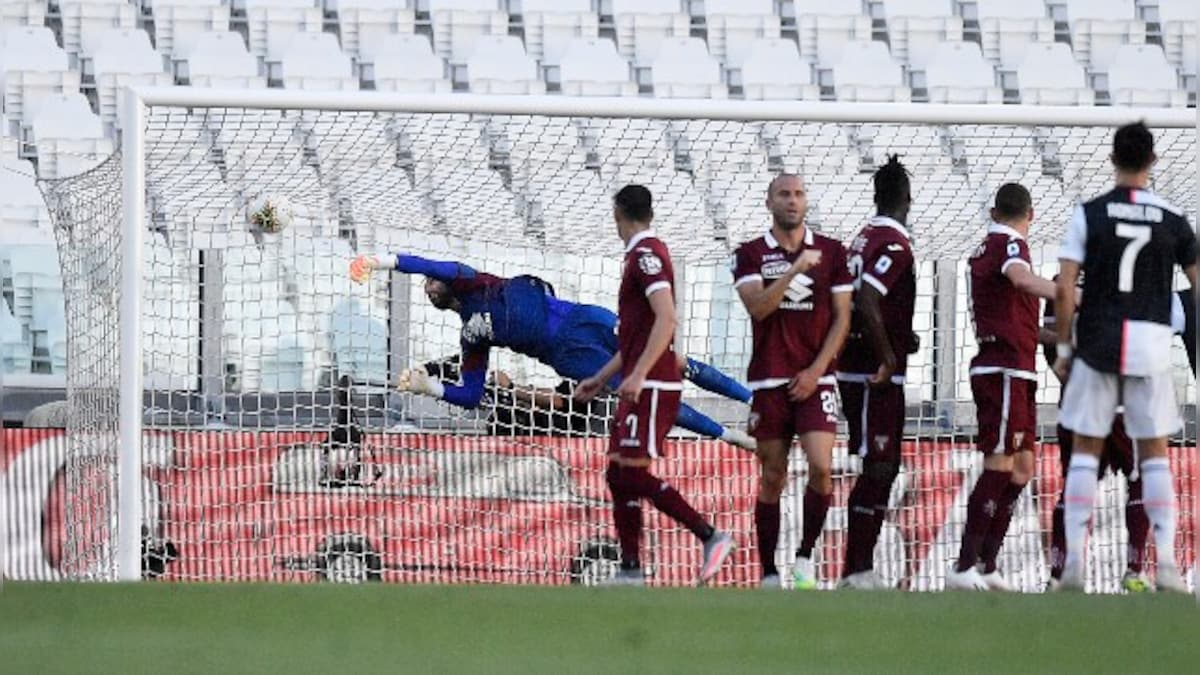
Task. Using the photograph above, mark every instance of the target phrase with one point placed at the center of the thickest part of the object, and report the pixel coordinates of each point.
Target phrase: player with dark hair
(1126, 243)
(871, 369)
(522, 314)
(1003, 292)
(649, 392)
(796, 287)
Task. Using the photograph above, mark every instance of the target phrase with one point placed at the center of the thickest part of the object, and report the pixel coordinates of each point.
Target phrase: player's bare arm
(805, 383)
(662, 333)
(868, 305)
(1064, 316)
(761, 301)
(590, 387)
(1025, 280)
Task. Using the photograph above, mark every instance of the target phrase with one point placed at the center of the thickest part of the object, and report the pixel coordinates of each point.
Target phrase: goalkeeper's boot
(866, 580)
(996, 582)
(1169, 579)
(1136, 582)
(969, 580)
(804, 574)
(625, 577)
(716, 550)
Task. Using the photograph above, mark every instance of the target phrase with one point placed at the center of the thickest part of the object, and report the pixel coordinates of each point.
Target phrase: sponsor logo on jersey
(478, 328)
(650, 264)
(775, 269)
(798, 292)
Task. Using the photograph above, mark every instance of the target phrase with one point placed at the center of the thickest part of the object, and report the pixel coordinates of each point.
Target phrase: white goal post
(136, 215)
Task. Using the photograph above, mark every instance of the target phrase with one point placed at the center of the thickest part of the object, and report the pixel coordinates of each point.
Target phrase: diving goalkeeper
(522, 314)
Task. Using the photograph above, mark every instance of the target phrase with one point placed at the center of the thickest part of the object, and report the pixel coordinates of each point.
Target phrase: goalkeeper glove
(362, 266)
(418, 381)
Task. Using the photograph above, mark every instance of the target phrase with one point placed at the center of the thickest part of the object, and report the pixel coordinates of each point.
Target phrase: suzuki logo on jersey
(798, 293)
(478, 328)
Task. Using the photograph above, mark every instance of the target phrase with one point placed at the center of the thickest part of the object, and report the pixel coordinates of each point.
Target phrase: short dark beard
(787, 227)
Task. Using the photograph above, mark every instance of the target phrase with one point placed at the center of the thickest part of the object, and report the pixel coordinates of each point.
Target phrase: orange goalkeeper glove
(362, 266)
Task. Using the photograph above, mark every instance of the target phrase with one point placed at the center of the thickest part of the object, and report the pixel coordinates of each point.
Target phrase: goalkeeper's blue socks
(691, 419)
(707, 377)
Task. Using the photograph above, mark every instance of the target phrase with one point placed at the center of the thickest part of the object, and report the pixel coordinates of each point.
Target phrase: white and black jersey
(1128, 243)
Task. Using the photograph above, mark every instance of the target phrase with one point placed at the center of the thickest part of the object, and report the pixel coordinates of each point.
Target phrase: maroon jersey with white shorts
(1003, 381)
(789, 339)
(881, 255)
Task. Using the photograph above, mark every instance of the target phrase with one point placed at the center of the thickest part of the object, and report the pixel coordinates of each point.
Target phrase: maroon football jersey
(1006, 320)
(647, 270)
(787, 341)
(881, 255)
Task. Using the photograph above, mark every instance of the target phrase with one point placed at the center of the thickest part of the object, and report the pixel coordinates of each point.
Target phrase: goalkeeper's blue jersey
(517, 313)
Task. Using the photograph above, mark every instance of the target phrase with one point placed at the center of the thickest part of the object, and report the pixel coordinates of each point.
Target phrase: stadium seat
(735, 25)
(642, 25)
(1050, 75)
(178, 22)
(551, 25)
(81, 18)
(16, 352)
(69, 137)
(917, 27)
(1140, 76)
(1100, 27)
(499, 65)
(825, 27)
(22, 211)
(18, 13)
(772, 69)
(866, 72)
(1178, 21)
(403, 63)
(957, 73)
(48, 325)
(314, 61)
(271, 23)
(1008, 26)
(458, 23)
(31, 67)
(221, 60)
(36, 284)
(122, 59)
(361, 20)
(684, 69)
(591, 67)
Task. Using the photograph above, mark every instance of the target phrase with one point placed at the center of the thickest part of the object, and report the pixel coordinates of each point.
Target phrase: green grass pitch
(236, 628)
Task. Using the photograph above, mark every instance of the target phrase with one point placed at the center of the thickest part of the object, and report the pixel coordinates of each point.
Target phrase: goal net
(260, 362)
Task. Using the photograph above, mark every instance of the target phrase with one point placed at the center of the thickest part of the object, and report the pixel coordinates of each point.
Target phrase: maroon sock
(981, 507)
(994, 539)
(860, 542)
(1138, 527)
(627, 517)
(1058, 541)
(766, 526)
(816, 505)
(638, 480)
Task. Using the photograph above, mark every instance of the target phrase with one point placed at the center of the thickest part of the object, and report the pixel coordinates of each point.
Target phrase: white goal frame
(133, 117)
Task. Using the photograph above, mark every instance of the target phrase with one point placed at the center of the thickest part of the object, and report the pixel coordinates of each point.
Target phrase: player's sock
(691, 419)
(1137, 525)
(1080, 498)
(860, 507)
(994, 539)
(711, 379)
(1158, 495)
(816, 505)
(982, 506)
(766, 526)
(637, 480)
(1058, 540)
(627, 518)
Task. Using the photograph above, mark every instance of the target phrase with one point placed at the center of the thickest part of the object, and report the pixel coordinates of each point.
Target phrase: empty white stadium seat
(22, 208)
(917, 27)
(684, 69)
(272, 23)
(592, 67)
(499, 65)
(17, 13)
(37, 298)
(1008, 26)
(866, 72)
(221, 60)
(734, 25)
(178, 22)
(361, 20)
(16, 351)
(1100, 27)
(825, 27)
(314, 61)
(1049, 75)
(403, 63)
(1178, 21)
(124, 58)
(1140, 76)
(957, 73)
(32, 66)
(642, 25)
(550, 25)
(81, 18)
(458, 23)
(772, 69)
(69, 137)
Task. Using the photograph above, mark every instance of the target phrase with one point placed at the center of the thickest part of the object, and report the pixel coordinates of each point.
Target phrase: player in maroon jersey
(871, 369)
(796, 287)
(1003, 292)
(649, 392)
